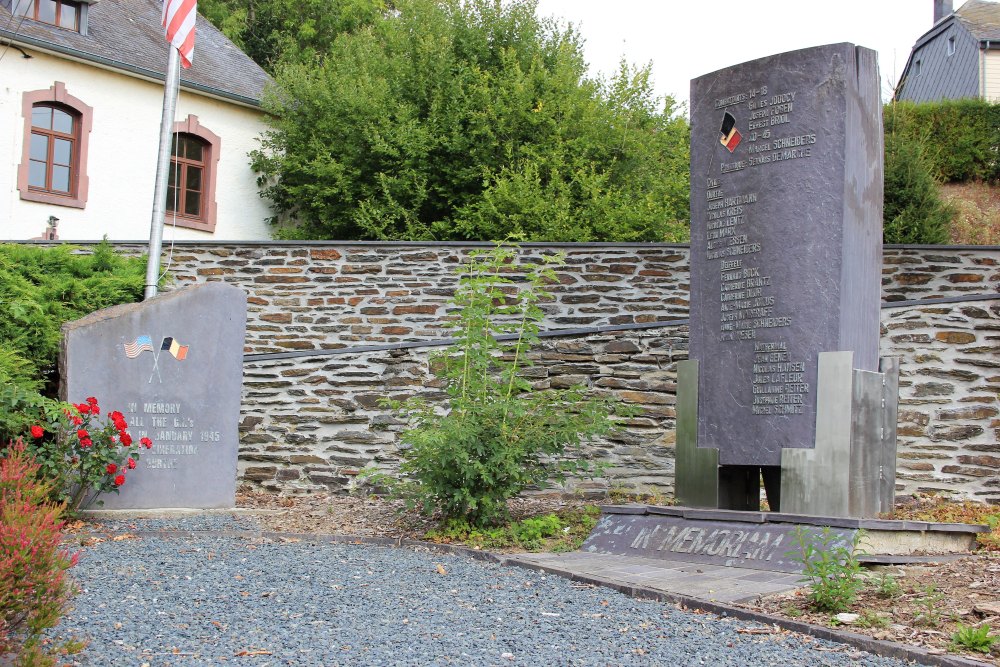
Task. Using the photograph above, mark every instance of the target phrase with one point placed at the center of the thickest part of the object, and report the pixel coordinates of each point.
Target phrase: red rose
(91, 400)
(37, 431)
(119, 480)
(82, 434)
(146, 442)
(83, 408)
(126, 439)
(86, 442)
(76, 421)
(131, 463)
(112, 468)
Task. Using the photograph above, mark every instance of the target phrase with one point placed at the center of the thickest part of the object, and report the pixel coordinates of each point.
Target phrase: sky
(685, 39)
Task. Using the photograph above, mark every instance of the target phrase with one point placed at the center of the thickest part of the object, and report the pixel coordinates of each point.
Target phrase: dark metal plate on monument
(732, 544)
(786, 215)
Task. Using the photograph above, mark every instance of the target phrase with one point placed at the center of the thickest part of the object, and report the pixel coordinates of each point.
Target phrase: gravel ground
(212, 599)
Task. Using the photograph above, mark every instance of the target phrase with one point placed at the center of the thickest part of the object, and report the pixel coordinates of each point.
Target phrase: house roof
(127, 35)
(979, 17)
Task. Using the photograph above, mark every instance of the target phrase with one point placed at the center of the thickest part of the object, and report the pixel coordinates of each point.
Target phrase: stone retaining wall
(310, 423)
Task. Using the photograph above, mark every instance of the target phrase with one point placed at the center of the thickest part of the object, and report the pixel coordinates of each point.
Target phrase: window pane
(173, 146)
(171, 198)
(62, 122)
(47, 10)
(192, 204)
(36, 174)
(60, 178)
(193, 151)
(67, 16)
(41, 117)
(193, 180)
(39, 149)
(61, 151)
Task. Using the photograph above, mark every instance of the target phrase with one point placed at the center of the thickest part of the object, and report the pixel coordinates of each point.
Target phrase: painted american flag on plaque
(138, 346)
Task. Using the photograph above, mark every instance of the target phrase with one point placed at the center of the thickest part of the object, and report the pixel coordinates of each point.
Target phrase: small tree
(498, 436)
(913, 210)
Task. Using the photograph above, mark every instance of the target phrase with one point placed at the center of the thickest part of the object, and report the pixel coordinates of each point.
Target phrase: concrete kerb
(859, 641)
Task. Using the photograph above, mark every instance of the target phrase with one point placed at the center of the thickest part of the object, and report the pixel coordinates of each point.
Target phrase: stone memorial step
(764, 540)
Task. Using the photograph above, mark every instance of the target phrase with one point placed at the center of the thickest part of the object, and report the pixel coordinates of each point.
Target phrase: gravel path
(211, 599)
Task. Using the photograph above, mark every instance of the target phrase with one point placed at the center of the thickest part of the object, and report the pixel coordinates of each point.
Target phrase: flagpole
(162, 170)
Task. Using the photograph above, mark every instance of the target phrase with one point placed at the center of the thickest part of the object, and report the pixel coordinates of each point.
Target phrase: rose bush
(87, 453)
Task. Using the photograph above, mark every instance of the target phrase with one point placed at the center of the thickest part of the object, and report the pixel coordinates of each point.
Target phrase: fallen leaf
(440, 569)
(124, 536)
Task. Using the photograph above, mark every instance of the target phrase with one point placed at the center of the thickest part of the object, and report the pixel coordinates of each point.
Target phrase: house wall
(122, 159)
(991, 68)
(309, 423)
(942, 76)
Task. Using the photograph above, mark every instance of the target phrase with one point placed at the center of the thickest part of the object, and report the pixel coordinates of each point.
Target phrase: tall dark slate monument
(174, 366)
(786, 244)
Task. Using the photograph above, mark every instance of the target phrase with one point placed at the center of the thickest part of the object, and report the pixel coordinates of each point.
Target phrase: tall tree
(444, 119)
(270, 31)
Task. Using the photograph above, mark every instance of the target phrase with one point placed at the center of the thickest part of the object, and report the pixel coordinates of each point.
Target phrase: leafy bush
(498, 436)
(40, 288)
(960, 138)
(33, 587)
(914, 211)
(454, 120)
(830, 568)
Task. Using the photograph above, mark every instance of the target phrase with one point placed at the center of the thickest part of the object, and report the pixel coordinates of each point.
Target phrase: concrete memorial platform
(173, 365)
(784, 378)
(765, 540)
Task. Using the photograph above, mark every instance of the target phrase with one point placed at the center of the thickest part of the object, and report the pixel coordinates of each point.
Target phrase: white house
(81, 94)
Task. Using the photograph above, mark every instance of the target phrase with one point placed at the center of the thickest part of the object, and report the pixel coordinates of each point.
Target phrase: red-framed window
(53, 149)
(53, 167)
(194, 167)
(186, 182)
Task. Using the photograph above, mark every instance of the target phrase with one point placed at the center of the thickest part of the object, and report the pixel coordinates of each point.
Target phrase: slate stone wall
(310, 423)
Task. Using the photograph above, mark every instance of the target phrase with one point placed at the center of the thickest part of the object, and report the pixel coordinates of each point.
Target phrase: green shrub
(41, 288)
(960, 138)
(913, 210)
(498, 436)
(33, 586)
(829, 567)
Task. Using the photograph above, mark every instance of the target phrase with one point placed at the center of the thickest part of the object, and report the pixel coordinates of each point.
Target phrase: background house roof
(128, 35)
(981, 18)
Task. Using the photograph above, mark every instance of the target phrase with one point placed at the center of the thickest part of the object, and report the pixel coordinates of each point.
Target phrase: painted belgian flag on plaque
(171, 345)
(730, 137)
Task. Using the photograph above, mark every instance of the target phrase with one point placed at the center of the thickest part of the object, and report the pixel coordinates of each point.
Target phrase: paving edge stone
(863, 642)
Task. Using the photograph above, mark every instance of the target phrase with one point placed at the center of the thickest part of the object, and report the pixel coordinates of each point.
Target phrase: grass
(977, 213)
(562, 531)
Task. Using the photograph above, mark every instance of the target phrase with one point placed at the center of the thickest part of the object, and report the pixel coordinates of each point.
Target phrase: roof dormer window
(67, 14)
(62, 13)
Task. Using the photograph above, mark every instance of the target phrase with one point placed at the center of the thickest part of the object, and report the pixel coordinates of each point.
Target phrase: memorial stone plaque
(786, 224)
(173, 365)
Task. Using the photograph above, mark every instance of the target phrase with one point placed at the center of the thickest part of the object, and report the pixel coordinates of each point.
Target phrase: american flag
(138, 346)
(178, 19)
